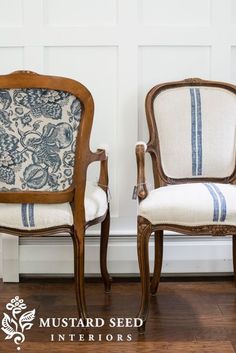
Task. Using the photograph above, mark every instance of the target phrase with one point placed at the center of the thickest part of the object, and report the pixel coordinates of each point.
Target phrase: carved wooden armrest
(140, 150)
(102, 155)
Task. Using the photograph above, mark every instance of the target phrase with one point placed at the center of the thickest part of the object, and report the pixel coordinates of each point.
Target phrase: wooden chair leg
(144, 232)
(78, 241)
(157, 261)
(234, 254)
(105, 228)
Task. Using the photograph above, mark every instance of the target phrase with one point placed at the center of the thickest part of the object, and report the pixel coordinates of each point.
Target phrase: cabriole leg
(158, 257)
(105, 228)
(144, 232)
(78, 241)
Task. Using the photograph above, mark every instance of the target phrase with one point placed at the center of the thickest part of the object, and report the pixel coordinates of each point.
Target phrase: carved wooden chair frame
(76, 192)
(145, 228)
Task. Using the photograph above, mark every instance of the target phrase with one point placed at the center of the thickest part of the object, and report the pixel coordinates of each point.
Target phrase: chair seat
(191, 204)
(40, 216)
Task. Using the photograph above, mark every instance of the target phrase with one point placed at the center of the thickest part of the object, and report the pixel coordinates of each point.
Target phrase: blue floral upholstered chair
(45, 125)
(192, 143)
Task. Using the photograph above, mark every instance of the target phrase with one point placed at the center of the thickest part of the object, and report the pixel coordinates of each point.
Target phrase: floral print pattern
(38, 129)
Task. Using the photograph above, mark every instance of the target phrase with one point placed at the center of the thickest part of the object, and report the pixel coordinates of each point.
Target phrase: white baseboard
(182, 255)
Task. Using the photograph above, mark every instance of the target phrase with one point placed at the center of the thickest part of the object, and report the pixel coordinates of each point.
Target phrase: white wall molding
(10, 258)
(182, 255)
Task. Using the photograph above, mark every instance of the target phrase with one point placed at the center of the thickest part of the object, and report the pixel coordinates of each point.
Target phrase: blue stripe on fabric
(199, 132)
(215, 202)
(31, 215)
(24, 214)
(222, 201)
(193, 132)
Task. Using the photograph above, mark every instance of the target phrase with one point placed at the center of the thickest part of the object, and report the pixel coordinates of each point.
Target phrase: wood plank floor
(185, 317)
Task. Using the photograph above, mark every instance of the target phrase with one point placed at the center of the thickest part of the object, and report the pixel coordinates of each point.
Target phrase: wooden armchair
(192, 125)
(45, 125)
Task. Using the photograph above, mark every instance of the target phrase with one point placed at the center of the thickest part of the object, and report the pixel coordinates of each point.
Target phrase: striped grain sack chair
(45, 125)
(192, 125)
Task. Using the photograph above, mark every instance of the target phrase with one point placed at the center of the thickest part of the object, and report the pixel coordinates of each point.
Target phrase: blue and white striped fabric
(196, 130)
(219, 202)
(196, 133)
(191, 204)
(41, 216)
(27, 214)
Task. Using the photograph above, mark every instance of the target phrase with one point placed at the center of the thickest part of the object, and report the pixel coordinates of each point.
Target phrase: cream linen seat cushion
(191, 204)
(39, 216)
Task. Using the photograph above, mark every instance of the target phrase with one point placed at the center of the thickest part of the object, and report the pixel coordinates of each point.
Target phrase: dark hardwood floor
(191, 317)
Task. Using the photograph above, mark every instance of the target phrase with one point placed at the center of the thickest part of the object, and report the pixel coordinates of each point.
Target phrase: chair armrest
(102, 155)
(141, 148)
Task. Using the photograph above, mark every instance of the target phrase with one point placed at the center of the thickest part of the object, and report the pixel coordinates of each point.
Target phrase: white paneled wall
(81, 13)
(181, 12)
(119, 49)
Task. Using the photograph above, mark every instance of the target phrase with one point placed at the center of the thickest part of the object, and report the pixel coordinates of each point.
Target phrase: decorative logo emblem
(14, 325)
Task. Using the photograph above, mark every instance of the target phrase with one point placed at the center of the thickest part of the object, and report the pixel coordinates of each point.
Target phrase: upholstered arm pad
(104, 147)
(141, 148)
(141, 143)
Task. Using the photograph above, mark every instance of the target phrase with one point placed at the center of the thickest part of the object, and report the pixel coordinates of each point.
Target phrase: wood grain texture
(189, 317)
(162, 347)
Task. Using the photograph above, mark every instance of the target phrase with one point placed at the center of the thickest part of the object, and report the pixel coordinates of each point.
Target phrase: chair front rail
(44, 232)
(214, 230)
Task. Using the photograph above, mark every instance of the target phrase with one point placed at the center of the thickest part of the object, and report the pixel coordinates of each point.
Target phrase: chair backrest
(192, 125)
(40, 120)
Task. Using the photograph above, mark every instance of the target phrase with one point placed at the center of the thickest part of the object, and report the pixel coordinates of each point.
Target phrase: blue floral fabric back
(38, 129)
